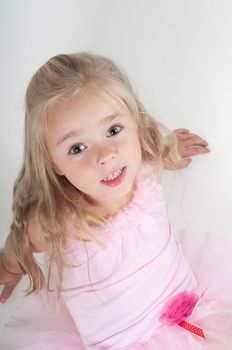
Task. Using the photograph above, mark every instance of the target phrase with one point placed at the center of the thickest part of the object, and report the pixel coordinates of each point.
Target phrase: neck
(106, 209)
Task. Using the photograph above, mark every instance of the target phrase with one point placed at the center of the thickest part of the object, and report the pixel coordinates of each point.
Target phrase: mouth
(116, 178)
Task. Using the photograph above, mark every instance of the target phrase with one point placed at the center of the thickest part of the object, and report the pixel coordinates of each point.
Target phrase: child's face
(88, 140)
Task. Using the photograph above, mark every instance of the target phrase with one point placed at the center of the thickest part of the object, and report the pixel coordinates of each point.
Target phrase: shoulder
(35, 233)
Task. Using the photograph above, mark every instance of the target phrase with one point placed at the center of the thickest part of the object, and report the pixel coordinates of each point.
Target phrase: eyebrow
(78, 132)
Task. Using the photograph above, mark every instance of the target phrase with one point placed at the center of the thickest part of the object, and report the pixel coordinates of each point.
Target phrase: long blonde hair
(38, 188)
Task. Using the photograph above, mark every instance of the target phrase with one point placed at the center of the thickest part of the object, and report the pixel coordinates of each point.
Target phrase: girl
(89, 195)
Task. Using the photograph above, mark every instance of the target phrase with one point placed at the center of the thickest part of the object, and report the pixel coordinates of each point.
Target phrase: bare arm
(8, 258)
(35, 234)
(10, 270)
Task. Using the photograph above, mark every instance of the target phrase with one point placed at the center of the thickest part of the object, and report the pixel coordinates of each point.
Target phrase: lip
(117, 181)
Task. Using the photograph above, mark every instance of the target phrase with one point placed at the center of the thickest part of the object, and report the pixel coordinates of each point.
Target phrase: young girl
(89, 195)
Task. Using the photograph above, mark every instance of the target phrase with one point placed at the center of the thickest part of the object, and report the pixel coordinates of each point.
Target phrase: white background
(179, 55)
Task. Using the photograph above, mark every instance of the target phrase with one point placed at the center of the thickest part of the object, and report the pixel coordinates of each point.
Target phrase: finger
(192, 137)
(194, 141)
(181, 131)
(6, 293)
(196, 151)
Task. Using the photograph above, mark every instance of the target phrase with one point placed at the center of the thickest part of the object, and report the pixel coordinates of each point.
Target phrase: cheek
(57, 161)
(135, 144)
(79, 174)
(78, 180)
(58, 166)
(136, 149)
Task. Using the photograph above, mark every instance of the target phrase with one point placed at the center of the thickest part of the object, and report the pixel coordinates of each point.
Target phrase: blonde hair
(38, 188)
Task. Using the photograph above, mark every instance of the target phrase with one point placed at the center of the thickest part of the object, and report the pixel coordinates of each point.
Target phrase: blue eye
(76, 149)
(114, 130)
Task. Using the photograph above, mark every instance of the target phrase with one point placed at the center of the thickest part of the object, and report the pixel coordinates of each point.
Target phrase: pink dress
(144, 291)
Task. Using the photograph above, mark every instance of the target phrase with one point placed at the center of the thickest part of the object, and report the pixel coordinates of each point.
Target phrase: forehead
(86, 108)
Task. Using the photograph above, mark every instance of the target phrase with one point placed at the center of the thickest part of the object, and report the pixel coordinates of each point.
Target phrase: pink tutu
(211, 260)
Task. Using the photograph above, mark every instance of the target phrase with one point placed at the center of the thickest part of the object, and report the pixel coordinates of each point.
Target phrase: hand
(188, 145)
(8, 279)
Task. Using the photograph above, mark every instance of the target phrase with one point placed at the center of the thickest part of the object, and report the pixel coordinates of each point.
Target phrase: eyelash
(75, 147)
(78, 145)
(116, 126)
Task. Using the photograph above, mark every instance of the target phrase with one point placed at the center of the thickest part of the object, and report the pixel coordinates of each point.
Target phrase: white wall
(179, 54)
(30, 33)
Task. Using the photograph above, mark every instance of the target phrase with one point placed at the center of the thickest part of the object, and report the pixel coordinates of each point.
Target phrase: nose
(105, 155)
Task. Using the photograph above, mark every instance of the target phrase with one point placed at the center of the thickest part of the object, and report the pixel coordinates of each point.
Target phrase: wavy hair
(38, 188)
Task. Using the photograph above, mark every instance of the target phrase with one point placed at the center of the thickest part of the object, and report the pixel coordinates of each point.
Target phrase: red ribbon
(192, 328)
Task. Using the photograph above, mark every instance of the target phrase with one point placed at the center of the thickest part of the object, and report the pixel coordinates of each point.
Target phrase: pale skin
(104, 156)
(190, 145)
(89, 139)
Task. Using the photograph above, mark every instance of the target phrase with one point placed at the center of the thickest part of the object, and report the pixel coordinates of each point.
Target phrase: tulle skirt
(211, 259)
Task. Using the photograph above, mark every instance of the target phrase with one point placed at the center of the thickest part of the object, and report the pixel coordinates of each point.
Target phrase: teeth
(114, 175)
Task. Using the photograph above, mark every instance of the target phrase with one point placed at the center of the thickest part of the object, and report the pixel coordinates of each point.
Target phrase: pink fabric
(115, 298)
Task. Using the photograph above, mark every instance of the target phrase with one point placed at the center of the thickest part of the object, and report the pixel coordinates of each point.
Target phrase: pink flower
(178, 308)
